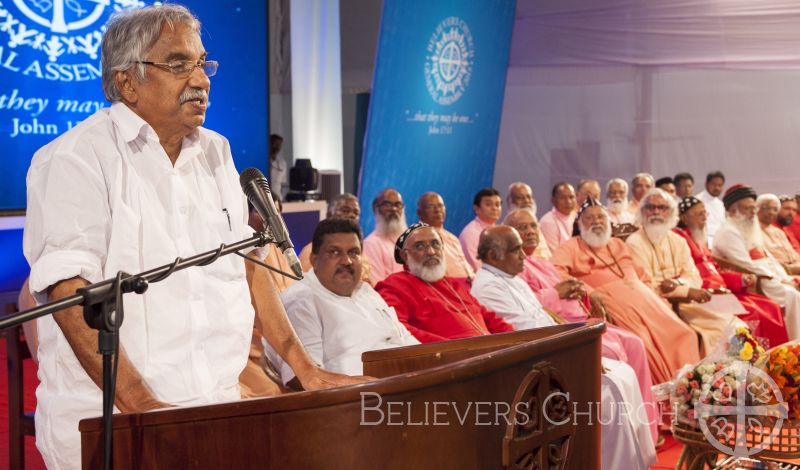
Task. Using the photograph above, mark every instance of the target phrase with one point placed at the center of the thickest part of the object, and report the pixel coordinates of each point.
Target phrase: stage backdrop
(50, 77)
(436, 100)
(50, 81)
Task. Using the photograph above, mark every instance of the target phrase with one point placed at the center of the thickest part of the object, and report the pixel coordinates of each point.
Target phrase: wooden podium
(511, 400)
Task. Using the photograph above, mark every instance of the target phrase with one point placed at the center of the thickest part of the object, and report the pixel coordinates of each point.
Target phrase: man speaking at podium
(131, 188)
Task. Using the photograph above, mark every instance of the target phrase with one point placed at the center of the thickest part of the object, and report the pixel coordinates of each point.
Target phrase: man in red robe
(432, 306)
(764, 315)
(786, 215)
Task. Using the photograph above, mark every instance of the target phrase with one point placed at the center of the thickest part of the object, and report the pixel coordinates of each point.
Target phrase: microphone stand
(103, 311)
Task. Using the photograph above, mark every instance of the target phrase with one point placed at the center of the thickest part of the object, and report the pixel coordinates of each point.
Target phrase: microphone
(256, 189)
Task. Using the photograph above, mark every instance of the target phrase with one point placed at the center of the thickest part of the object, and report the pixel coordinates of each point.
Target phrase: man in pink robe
(487, 206)
(390, 221)
(764, 315)
(607, 265)
(563, 297)
(520, 196)
(556, 225)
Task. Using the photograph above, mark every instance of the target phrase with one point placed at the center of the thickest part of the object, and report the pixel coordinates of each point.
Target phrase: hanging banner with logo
(50, 76)
(437, 94)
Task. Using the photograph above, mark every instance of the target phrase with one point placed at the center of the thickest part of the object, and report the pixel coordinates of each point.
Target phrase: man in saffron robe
(432, 306)
(607, 265)
(764, 315)
(432, 211)
(666, 260)
(739, 241)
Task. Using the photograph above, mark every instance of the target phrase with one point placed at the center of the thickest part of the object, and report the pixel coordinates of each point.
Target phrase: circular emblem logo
(747, 411)
(64, 34)
(448, 65)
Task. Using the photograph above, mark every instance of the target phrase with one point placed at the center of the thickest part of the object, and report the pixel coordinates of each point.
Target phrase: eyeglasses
(184, 68)
(421, 247)
(656, 207)
(390, 204)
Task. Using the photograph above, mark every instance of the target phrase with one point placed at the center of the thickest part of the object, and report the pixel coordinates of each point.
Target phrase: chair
(20, 424)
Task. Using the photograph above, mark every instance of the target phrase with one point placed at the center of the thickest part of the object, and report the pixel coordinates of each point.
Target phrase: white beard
(617, 207)
(749, 229)
(656, 231)
(391, 228)
(427, 273)
(596, 240)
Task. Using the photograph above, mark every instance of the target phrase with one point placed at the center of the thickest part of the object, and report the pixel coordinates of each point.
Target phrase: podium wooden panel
(439, 413)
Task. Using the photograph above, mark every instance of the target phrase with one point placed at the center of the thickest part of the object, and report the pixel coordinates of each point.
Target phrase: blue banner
(437, 95)
(50, 76)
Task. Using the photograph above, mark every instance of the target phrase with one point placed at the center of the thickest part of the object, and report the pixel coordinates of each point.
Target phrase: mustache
(342, 269)
(191, 94)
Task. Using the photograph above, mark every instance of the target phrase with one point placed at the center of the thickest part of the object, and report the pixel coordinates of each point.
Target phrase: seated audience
(336, 315)
(775, 241)
(497, 287)
(432, 211)
(607, 265)
(487, 206)
(587, 188)
(668, 265)
(390, 221)
(640, 185)
(739, 241)
(684, 185)
(432, 306)
(764, 315)
(520, 196)
(715, 181)
(556, 225)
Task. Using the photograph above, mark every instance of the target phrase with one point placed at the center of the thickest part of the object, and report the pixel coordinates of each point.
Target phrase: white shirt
(510, 297)
(105, 197)
(716, 214)
(730, 244)
(335, 329)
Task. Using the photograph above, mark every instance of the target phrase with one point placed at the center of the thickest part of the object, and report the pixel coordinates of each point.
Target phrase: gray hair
(618, 181)
(765, 198)
(513, 214)
(673, 216)
(489, 243)
(639, 176)
(337, 200)
(131, 34)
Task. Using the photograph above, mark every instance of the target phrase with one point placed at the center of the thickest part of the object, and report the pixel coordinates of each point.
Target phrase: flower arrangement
(743, 346)
(783, 367)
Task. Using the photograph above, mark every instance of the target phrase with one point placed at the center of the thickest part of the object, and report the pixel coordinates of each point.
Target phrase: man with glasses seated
(671, 273)
(132, 187)
(336, 315)
(390, 221)
(432, 306)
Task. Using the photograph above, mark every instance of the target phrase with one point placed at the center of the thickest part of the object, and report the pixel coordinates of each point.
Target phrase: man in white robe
(739, 241)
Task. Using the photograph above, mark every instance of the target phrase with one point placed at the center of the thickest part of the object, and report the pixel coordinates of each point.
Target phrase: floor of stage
(667, 455)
